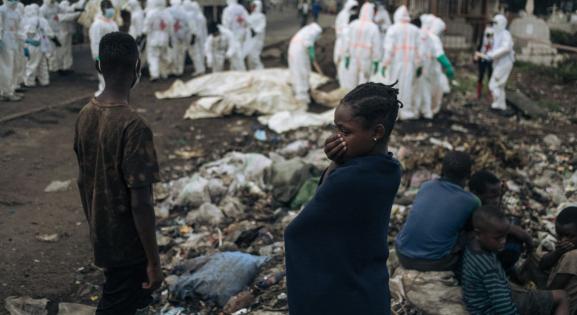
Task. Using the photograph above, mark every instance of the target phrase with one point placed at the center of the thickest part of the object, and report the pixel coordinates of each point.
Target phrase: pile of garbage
(220, 230)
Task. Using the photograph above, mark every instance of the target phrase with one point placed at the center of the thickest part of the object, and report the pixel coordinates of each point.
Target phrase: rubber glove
(383, 70)
(193, 40)
(375, 67)
(26, 53)
(347, 62)
(312, 53)
(32, 42)
(447, 66)
(419, 71)
(252, 33)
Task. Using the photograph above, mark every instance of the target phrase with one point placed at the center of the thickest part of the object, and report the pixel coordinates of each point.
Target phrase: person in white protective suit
(10, 37)
(136, 29)
(234, 18)
(158, 27)
(21, 58)
(51, 10)
(401, 60)
(69, 13)
(181, 36)
(433, 83)
(37, 46)
(502, 56)
(364, 49)
(200, 34)
(301, 55)
(439, 79)
(382, 19)
(255, 42)
(221, 45)
(342, 23)
(103, 24)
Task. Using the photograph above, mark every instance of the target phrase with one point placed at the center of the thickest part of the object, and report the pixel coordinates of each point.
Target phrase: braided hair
(375, 103)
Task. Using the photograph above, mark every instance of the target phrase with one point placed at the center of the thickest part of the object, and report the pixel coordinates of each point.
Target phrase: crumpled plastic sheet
(265, 91)
(220, 278)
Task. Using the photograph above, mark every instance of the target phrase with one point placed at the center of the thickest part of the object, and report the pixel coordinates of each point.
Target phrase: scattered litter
(48, 238)
(58, 186)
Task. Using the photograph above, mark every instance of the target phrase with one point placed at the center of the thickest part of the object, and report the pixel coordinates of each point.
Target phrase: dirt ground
(37, 150)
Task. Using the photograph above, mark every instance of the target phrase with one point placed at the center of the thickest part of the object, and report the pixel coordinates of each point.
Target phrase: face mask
(109, 13)
(138, 74)
(12, 3)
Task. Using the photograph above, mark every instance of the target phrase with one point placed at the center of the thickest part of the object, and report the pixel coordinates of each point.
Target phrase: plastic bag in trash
(305, 193)
(287, 177)
(25, 305)
(194, 193)
(221, 277)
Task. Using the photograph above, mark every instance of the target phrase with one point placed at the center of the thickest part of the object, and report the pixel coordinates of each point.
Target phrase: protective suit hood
(316, 30)
(257, 6)
(426, 21)
(437, 26)
(47, 2)
(367, 12)
(402, 15)
(134, 5)
(350, 4)
(231, 2)
(196, 7)
(500, 23)
(175, 3)
(31, 10)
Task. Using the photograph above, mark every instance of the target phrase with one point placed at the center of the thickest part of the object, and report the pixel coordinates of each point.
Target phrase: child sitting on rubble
(489, 189)
(433, 236)
(336, 248)
(562, 262)
(486, 289)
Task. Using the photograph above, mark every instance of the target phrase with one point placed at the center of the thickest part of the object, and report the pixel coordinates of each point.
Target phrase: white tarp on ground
(286, 121)
(255, 92)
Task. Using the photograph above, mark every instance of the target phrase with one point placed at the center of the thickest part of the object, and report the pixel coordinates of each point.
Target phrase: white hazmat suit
(181, 36)
(158, 26)
(51, 10)
(234, 18)
(503, 57)
(363, 46)
(255, 42)
(200, 32)
(136, 19)
(341, 30)
(67, 18)
(11, 39)
(433, 83)
(299, 60)
(100, 27)
(401, 59)
(383, 20)
(222, 47)
(38, 45)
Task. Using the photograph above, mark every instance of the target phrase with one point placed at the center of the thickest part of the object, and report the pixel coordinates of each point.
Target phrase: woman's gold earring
(375, 139)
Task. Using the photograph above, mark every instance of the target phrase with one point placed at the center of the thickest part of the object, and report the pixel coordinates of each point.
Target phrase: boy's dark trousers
(485, 67)
(122, 292)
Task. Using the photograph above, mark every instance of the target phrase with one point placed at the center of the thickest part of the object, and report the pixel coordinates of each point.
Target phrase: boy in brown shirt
(117, 167)
(563, 260)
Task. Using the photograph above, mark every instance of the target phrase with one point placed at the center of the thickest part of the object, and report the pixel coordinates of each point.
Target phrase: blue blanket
(336, 248)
